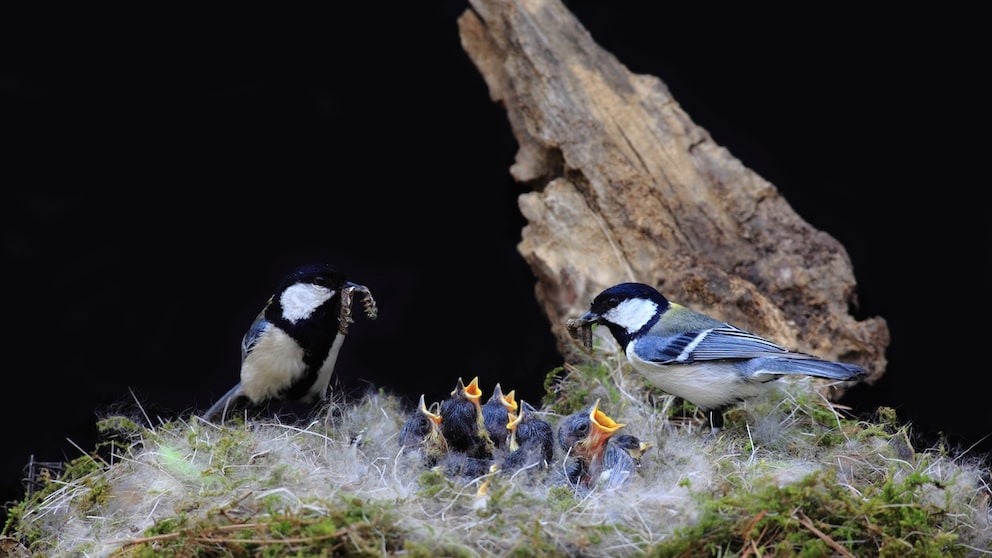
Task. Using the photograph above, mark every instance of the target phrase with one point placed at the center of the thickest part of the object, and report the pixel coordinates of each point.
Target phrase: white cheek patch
(274, 364)
(300, 300)
(632, 314)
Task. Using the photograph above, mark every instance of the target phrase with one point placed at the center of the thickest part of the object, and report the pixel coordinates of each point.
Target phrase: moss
(432, 482)
(83, 470)
(790, 476)
(414, 549)
(352, 527)
(583, 383)
(818, 516)
(535, 542)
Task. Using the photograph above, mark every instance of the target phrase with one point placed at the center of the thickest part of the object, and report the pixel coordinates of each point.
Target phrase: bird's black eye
(320, 280)
(582, 427)
(613, 301)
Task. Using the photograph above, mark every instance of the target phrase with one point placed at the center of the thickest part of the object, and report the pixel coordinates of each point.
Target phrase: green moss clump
(82, 469)
(887, 520)
(351, 527)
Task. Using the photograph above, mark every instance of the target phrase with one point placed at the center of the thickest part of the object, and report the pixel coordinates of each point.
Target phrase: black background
(163, 170)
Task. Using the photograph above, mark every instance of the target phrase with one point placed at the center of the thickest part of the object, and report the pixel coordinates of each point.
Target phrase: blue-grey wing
(253, 333)
(719, 343)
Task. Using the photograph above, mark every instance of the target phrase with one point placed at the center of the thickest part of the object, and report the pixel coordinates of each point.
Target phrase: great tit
(707, 362)
(289, 351)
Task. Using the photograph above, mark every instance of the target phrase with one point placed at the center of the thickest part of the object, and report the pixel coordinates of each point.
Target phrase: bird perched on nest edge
(709, 363)
(290, 350)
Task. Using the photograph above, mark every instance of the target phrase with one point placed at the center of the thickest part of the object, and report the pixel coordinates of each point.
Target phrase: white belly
(709, 385)
(276, 363)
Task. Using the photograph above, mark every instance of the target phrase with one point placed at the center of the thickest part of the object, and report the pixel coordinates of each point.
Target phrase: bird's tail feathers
(223, 403)
(830, 370)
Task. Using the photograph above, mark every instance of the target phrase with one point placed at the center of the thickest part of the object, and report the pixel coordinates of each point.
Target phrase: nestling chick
(462, 422)
(631, 445)
(583, 436)
(532, 440)
(621, 459)
(709, 363)
(422, 432)
(290, 349)
(496, 415)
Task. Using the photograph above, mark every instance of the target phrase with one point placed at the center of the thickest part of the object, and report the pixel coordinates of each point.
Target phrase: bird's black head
(613, 296)
(627, 309)
(317, 274)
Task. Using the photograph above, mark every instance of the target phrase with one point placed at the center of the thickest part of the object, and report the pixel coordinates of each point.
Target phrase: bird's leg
(716, 424)
(715, 419)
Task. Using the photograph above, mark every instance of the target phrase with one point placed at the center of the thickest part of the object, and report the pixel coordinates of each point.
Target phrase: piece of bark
(625, 187)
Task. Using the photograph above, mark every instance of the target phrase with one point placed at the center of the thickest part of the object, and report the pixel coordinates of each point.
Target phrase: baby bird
(462, 422)
(709, 363)
(583, 436)
(532, 440)
(422, 431)
(289, 351)
(496, 415)
(621, 459)
(631, 445)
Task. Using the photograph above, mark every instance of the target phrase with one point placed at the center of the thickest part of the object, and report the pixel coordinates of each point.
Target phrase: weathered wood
(625, 187)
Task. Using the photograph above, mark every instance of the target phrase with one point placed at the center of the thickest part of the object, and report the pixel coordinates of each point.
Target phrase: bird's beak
(509, 401)
(434, 417)
(472, 391)
(602, 422)
(589, 317)
(459, 388)
(602, 427)
(514, 420)
(512, 427)
(586, 319)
